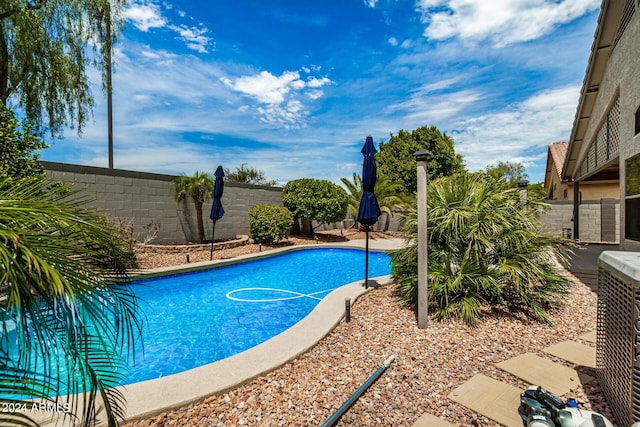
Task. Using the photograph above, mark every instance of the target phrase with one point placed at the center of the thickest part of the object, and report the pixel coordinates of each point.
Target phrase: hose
(333, 419)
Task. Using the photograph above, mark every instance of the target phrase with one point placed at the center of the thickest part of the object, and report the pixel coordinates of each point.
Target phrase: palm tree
(64, 328)
(354, 191)
(387, 193)
(390, 199)
(197, 187)
(485, 248)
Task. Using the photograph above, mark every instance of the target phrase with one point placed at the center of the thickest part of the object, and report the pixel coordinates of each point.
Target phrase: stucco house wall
(621, 80)
(609, 100)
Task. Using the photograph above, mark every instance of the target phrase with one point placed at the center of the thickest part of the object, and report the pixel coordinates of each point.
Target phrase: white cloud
(371, 3)
(501, 22)
(315, 94)
(279, 95)
(163, 76)
(288, 116)
(406, 44)
(315, 82)
(266, 87)
(436, 108)
(194, 37)
(439, 85)
(435, 102)
(145, 15)
(517, 130)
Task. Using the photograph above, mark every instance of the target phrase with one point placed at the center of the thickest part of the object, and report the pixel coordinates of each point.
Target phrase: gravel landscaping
(429, 363)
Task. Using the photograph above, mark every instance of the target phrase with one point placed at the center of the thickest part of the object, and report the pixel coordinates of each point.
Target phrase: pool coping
(151, 397)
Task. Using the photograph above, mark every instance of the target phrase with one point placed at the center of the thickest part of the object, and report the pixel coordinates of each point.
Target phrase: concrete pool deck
(153, 396)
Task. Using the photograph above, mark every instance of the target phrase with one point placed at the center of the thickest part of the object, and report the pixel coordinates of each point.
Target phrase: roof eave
(608, 21)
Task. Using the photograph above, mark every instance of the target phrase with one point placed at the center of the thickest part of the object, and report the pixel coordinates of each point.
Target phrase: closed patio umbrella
(369, 210)
(216, 207)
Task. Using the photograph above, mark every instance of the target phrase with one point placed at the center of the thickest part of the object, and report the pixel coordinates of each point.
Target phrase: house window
(632, 198)
(566, 194)
(637, 121)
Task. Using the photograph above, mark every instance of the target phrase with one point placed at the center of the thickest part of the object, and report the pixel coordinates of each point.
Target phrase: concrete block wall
(558, 217)
(394, 224)
(609, 220)
(590, 221)
(593, 215)
(239, 199)
(136, 199)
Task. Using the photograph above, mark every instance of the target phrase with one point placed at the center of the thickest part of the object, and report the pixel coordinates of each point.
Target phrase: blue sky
(293, 87)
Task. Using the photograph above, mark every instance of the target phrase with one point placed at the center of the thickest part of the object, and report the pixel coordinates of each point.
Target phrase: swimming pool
(196, 318)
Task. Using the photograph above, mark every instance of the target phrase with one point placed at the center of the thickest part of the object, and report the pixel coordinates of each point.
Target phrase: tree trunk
(200, 222)
(307, 229)
(295, 229)
(4, 67)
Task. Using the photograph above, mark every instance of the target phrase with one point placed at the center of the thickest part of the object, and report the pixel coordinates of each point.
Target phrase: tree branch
(36, 6)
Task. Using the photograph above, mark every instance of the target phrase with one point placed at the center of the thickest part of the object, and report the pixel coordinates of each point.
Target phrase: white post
(423, 255)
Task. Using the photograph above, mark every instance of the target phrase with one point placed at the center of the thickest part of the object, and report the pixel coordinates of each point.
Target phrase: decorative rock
(430, 363)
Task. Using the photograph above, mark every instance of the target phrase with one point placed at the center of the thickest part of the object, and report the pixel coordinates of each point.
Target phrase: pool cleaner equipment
(539, 408)
(333, 419)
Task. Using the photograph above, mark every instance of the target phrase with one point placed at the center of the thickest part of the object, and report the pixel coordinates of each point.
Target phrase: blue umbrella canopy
(218, 187)
(216, 207)
(369, 210)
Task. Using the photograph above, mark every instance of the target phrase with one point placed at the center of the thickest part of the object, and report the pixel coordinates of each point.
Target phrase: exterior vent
(618, 333)
(627, 14)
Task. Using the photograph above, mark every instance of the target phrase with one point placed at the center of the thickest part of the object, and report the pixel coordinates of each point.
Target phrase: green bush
(485, 250)
(19, 147)
(269, 223)
(315, 199)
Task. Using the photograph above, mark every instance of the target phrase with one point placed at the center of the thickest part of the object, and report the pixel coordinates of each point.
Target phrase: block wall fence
(599, 219)
(138, 199)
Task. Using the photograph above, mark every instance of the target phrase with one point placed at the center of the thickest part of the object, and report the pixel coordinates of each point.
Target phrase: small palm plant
(387, 193)
(196, 187)
(354, 190)
(485, 248)
(64, 327)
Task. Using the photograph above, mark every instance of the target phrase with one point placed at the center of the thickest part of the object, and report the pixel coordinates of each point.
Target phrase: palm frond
(485, 248)
(65, 327)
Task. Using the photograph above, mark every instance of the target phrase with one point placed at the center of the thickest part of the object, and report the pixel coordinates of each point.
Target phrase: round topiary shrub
(269, 223)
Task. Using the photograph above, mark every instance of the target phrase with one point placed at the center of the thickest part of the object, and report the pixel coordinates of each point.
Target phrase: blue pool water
(192, 319)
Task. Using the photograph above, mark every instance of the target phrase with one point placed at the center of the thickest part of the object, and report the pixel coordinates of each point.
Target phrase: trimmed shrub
(269, 223)
(315, 199)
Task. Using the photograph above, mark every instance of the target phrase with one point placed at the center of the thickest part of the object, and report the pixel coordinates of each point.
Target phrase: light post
(423, 253)
(522, 188)
(109, 65)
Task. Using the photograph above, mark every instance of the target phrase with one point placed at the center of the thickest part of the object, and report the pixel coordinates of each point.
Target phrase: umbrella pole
(213, 233)
(366, 258)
